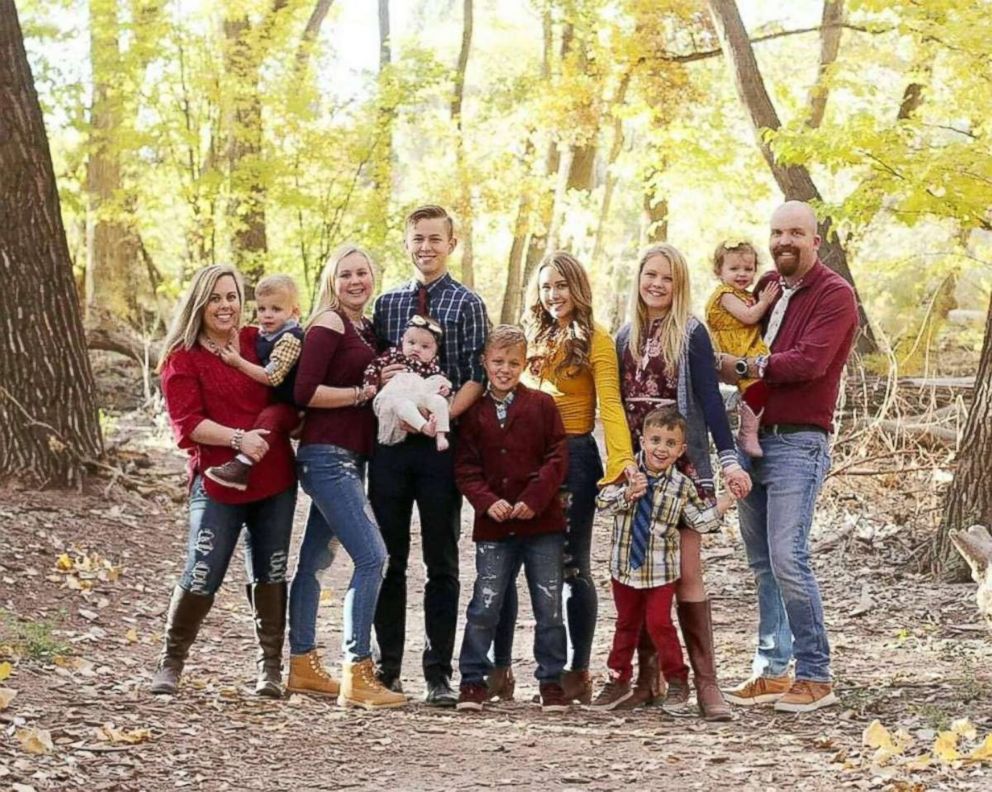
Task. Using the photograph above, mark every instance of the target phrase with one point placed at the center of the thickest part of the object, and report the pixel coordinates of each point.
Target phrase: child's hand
(769, 293)
(500, 511)
(521, 511)
(230, 355)
(390, 371)
(637, 483)
(444, 390)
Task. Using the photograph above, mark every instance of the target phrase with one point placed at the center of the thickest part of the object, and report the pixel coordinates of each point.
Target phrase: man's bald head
(794, 239)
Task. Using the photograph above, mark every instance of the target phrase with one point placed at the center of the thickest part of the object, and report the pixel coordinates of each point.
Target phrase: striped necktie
(641, 529)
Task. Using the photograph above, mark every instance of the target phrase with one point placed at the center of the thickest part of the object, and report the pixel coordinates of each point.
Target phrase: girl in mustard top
(572, 358)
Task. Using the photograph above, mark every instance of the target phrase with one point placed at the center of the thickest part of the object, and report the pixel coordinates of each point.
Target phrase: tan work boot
(759, 690)
(360, 688)
(307, 675)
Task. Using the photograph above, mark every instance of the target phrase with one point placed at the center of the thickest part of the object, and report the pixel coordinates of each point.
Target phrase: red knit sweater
(198, 385)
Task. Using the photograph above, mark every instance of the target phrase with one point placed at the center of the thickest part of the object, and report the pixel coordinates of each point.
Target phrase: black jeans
(399, 476)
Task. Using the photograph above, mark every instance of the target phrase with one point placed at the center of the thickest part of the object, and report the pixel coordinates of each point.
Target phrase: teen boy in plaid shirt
(644, 561)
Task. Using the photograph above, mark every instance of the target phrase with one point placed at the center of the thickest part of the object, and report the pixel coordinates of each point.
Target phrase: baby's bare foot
(429, 428)
(442, 441)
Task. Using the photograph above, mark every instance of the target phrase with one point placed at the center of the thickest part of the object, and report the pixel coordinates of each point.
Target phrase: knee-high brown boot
(697, 629)
(186, 614)
(648, 685)
(268, 603)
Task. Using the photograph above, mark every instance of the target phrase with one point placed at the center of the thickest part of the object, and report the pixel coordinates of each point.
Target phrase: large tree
(48, 418)
(969, 499)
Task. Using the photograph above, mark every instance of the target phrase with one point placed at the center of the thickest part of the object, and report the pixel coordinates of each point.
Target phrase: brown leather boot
(648, 685)
(577, 686)
(360, 688)
(186, 614)
(308, 675)
(697, 629)
(501, 683)
(268, 604)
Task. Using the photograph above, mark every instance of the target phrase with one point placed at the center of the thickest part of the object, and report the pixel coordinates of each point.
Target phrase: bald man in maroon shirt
(809, 329)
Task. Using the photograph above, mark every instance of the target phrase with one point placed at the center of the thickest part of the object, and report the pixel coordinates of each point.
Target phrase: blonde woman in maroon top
(212, 408)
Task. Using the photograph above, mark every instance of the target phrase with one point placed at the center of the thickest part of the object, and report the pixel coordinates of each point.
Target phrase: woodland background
(142, 139)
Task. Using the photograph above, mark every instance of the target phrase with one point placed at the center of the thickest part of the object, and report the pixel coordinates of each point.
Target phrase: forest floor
(85, 578)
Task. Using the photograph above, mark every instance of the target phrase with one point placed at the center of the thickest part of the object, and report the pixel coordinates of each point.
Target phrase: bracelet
(760, 363)
(358, 393)
(236, 438)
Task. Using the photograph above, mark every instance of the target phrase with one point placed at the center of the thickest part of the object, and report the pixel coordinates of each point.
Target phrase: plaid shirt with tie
(462, 315)
(673, 499)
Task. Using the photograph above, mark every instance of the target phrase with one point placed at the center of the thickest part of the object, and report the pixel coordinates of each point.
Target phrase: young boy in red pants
(644, 561)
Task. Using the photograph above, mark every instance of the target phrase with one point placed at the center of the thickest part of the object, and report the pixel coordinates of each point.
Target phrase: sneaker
(440, 694)
(613, 694)
(233, 474)
(676, 701)
(806, 696)
(472, 695)
(759, 690)
(553, 698)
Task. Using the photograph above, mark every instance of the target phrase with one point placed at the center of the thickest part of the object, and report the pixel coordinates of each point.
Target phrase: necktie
(423, 300)
(641, 530)
(778, 313)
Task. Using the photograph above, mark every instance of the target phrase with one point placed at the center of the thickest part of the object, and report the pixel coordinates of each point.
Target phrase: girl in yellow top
(734, 319)
(573, 359)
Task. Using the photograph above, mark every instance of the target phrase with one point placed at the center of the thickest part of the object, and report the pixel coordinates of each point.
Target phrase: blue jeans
(585, 469)
(775, 523)
(214, 529)
(335, 479)
(495, 563)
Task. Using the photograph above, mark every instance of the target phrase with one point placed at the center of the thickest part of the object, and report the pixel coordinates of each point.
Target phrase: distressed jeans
(495, 563)
(214, 529)
(585, 469)
(775, 524)
(334, 478)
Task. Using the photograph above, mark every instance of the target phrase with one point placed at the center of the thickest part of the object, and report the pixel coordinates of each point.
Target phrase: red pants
(756, 395)
(652, 608)
(278, 419)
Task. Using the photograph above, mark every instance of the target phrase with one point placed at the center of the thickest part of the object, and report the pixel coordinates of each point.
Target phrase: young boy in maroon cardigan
(511, 461)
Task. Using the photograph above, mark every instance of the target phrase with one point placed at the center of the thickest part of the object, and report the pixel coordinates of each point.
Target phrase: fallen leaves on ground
(6, 696)
(947, 746)
(35, 741)
(110, 733)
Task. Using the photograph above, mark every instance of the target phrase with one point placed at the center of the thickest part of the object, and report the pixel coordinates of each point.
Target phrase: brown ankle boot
(268, 603)
(307, 675)
(360, 688)
(501, 683)
(577, 686)
(186, 614)
(697, 629)
(233, 474)
(648, 685)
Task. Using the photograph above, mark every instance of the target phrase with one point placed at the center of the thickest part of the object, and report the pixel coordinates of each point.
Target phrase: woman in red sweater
(212, 408)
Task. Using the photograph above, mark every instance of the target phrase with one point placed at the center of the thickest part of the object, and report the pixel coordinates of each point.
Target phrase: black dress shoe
(439, 693)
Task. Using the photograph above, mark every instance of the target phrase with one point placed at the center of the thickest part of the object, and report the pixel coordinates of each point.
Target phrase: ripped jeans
(214, 529)
(495, 564)
(334, 478)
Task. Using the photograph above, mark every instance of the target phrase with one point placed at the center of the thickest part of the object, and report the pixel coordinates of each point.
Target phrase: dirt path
(909, 653)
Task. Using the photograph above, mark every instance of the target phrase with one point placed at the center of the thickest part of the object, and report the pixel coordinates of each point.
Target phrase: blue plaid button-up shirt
(463, 319)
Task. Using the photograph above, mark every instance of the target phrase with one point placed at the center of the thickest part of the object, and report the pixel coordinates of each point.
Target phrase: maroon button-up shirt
(810, 350)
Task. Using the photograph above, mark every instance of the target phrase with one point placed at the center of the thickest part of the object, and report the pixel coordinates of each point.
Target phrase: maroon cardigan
(526, 460)
(810, 350)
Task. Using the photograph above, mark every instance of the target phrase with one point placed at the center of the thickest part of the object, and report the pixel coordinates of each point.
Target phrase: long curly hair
(676, 321)
(543, 333)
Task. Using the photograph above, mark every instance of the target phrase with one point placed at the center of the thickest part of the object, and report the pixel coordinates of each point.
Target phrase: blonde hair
(505, 336)
(272, 284)
(327, 297)
(538, 323)
(187, 321)
(732, 246)
(676, 321)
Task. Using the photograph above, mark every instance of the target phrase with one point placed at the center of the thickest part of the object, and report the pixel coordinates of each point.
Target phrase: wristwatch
(741, 367)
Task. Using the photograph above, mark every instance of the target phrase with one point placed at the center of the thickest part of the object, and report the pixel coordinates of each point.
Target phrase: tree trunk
(830, 33)
(510, 311)
(246, 207)
(310, 33)
(463, 209)
(794, 180)
(48, 417)
(381, 158)
(969, 498)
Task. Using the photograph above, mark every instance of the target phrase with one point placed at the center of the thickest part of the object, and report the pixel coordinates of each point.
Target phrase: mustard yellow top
(576, 396)
(729, 333)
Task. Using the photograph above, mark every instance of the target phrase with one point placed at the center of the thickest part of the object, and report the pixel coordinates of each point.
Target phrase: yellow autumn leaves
(39, 741)
(82, 570)
(947, 749)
